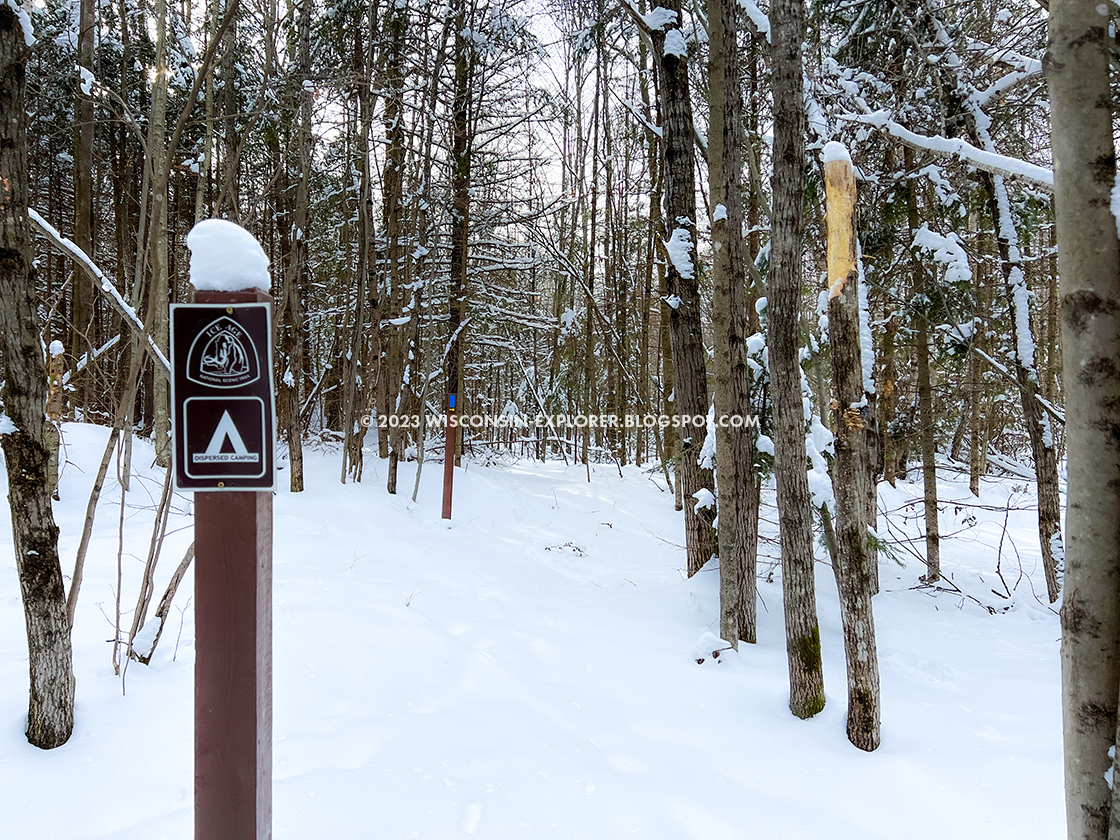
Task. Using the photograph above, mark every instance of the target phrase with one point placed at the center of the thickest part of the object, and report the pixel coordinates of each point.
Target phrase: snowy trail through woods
(529, 670)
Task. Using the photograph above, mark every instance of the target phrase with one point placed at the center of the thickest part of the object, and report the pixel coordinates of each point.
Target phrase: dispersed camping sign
(221, 395)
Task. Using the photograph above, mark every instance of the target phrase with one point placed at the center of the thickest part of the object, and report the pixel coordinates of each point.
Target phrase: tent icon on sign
(223, 356)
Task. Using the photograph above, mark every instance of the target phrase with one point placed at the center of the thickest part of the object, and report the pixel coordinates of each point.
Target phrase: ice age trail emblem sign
(223, 355)
(222, 401)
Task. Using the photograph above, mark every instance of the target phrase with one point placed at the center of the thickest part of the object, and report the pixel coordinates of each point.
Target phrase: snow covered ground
(529, 670)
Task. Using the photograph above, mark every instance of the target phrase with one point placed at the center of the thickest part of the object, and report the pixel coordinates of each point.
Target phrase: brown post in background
(233, 654)
(450, 432)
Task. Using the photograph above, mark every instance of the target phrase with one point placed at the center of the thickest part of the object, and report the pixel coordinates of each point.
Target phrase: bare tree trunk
(205, 159)
(229, 198)
(592, 247)
(358, 364)
(397, 26)
(81, 314)
(50, 717)
(291, 305)
(665, 444)
(460, 213)
(803, 640)
(851, 473)
(925, 393)
(158, 298)
(1053, 331)
(1077, 68)
(738, 489)
(1039, 426)
(690, 387)
(981, 422)
(976, 388)
(888, 400)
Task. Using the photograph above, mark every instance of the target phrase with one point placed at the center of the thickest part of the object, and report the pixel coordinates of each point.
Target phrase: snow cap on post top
(834, 151)
(226, 258)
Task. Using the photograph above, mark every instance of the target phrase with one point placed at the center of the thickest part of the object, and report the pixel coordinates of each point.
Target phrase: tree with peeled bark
(803, 638)
(851, 474)
(1077, 69)
(50, 717)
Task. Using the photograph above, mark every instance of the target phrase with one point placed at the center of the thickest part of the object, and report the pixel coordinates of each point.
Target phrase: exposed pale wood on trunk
(851, 473)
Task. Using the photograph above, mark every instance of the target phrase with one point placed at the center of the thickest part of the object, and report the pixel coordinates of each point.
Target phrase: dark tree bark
(1077, 68)
(738, 485)
(159, 162)
(396, 26)
(356, 364)
(1039, 426)
(851, 474)
(460, 215)
(50, 717)
(690, 387)
(803, 640)
(291, 304)
(81, 314)
(925, 392)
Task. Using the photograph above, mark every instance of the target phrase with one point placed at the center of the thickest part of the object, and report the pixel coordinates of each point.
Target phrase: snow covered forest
(413, 169)
(775, 287)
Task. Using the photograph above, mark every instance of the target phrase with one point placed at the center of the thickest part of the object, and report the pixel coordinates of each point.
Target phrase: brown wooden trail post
(449, 455)
(233, 653)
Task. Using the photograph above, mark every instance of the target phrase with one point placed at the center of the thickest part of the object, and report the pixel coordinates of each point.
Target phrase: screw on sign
(223, 444)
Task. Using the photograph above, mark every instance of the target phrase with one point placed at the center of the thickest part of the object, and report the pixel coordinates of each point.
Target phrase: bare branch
(67, 248)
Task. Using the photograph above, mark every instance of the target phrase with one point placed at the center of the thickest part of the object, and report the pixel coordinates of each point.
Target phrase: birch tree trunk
(1077, 68)
(50, 716)
(803, 640)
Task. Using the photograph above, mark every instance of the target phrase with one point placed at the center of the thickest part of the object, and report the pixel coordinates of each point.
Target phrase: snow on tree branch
(1010, 168)
(758, 18)
(118, 303)
(946, 250)
(24, 21)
